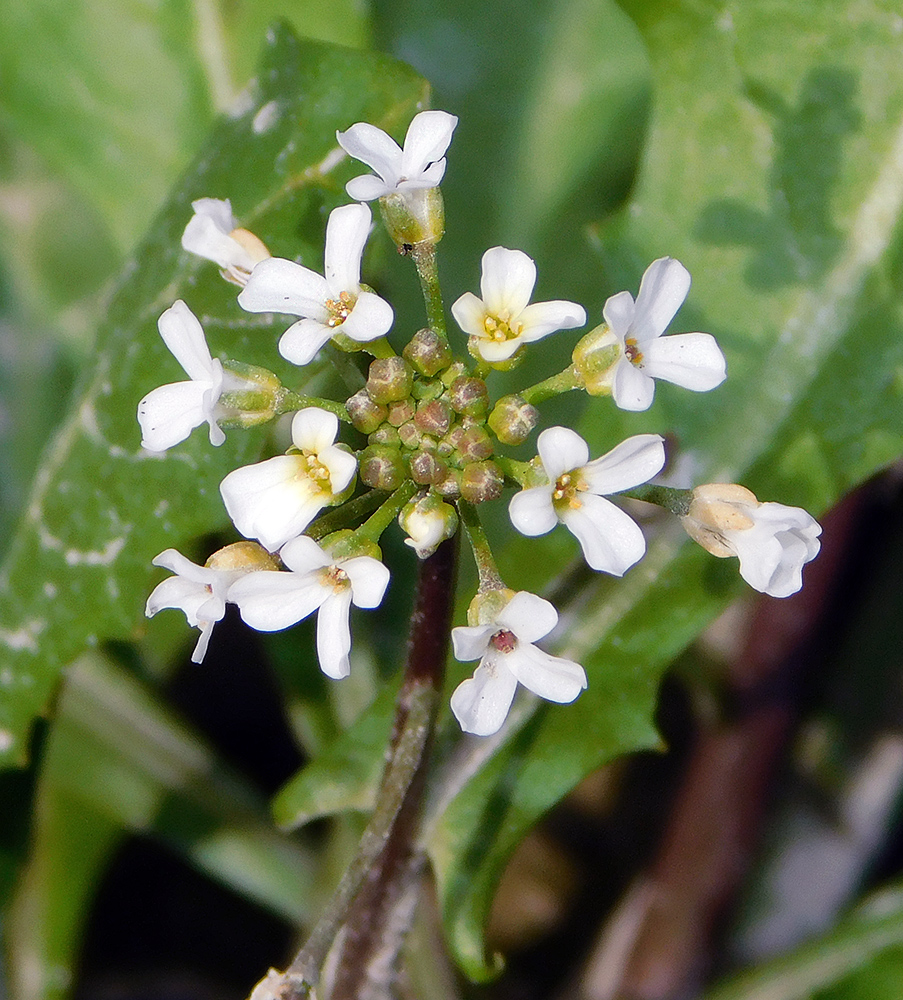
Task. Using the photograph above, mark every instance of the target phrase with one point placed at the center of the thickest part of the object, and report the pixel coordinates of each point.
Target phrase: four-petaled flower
(332, 304)
(276, 500)
(213, 233)
(421, 164)
(502, 320)
(507, 654)
(171, 412)
(199, 591)
(772, 541)
(691, 360)
(575, 495)
(317, 582)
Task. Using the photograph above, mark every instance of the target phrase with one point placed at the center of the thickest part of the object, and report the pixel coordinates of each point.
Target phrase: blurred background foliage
(761, 143)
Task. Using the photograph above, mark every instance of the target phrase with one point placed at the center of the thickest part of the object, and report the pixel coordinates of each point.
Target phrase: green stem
(288, 401)
(346, 516)
(379, 348)
(374, 526)
(479, 544)
(677, 501)
(520, 472)
(424, 255)
(564, 381)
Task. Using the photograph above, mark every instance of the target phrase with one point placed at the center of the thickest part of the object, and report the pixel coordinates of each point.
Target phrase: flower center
(567, 486)
(502, 327)
(504, 641)
(634, 354)
(314, 469)
(339, 309)
(335, 578)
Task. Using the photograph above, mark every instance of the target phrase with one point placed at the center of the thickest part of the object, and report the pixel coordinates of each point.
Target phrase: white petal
(269, 501)
(662, 292)
(200, 649)
(369, 579)
(481, 704)
(528, 616)
(204, 237)
(374, 147)
(342, 467)
(630, 463)
(561, 450)
(346, 233)
(367, 187)
(507, 281)
(631, 388)
(494, 351)
(334, 635)
(531, 511)
(314, 429)
(470, 641)
(542, 318)
(184, 336)
(178, 592)
(270, 601)
(173, 560)
(370, 318)
(430, 177)
(170, 413)
(691, 360)
(618, 313)
(218, 210)
(282, 286)
(428, 137)
(611, 541)
(304, 555)
(302, 341)
(469, 313)
(551, 677)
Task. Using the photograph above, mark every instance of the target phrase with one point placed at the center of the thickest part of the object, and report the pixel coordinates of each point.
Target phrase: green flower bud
(428, 352)
(390, 379)
(481, 481)
(474, 444)
(434, 417)
(381, 467)
(387, 435)
(401, 411)
(366, 414)
(469, 396)
(426, 468)
(247, 556)
(251, 395)
(595, 358)
(409, 434)
(486, 606)
(427, 521)
(512, 419)
(346, 544)
(450, 485)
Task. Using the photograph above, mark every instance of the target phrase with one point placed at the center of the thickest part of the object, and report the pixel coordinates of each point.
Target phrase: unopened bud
(387, 435)
(389, 379)
(246, 556)
(481, 481)
(716, 508)
(595, 358)
(434, 417)
(409, 434)
(256, 250)
(487, 605)
(400, 412)
(381, 467)
(428, 521)
(512, 419)
(413, 217)
(475, 444)
(250, 395)
(347, 544)
(450, 485)
(426, 468)
(469, 396)
(366, 414)
(428, 352)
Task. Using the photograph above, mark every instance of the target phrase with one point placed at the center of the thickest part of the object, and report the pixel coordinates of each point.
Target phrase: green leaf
(79, 568)
(860, 958)
(116, 760)
(774, 171)
(115, 95)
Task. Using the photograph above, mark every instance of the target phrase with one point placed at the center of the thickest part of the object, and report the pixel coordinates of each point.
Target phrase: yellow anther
(634, 354)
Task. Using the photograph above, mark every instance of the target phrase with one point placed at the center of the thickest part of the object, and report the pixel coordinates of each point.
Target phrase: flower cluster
(426, 438)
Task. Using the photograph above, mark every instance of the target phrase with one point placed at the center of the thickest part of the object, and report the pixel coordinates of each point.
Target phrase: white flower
(317, 582)
(502, 320)
(421, 164)
(276, 500)
(428, 521)
(610, 539)
(508, 656)
(772, 541)
(213, 233)
(170, 413)
(198, 591)
(334, 304)
(691, 360)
